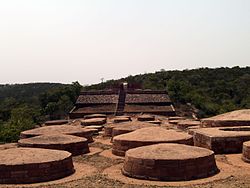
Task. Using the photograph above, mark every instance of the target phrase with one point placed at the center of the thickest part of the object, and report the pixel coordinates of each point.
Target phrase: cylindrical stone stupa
(73, 144)
(33, 165)
(94, 121)
(169, 162)
(128, 127)
(148, 136)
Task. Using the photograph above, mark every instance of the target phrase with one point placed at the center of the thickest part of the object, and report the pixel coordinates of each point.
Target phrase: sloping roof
(97, 99)
(147, 98)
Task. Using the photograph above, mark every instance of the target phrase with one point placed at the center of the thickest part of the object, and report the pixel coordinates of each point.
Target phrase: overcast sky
(86, 40)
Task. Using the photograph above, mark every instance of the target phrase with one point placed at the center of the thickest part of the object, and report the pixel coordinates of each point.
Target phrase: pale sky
(86, 40)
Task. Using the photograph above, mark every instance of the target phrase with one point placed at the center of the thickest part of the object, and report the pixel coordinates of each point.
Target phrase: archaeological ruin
(73, 144)
(32, 165)
(222, 139)
(169, 162)
(59, 129)
(122, 100)
(148, 136)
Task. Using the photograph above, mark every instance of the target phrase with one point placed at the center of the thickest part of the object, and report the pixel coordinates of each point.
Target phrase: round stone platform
(98, 127)
(246, 152)
(95, 116)
(57, 122)
(169, 162)
(33, 165)
(176, 118)
(146, 118)
(59, 129)
(93, 121)
(234, 118)
(184, 124)
(120, 119)
(73, 144)
(129, 127)
(156, 122)
(148, 136)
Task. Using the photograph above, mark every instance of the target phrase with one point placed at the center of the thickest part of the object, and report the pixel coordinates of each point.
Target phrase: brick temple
(122, 100)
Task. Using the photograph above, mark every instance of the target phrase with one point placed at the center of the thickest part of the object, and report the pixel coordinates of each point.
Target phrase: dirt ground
(95, 170)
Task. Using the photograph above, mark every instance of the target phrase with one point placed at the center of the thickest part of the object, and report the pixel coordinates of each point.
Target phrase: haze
(86, 40)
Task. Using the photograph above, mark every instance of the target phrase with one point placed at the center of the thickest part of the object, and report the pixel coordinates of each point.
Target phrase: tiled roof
(147, 98)
(97, 99)
(147, 108)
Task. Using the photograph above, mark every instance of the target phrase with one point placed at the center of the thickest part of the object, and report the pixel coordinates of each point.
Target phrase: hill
(26, 92)
(205, 91)
(22, 106)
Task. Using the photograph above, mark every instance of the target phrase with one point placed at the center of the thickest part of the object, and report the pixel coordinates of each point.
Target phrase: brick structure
(120, 119)
(169, 162)
(146, 117)
(57, 122)
(148, 101)
(122, 100)
(124, 127)
(184, 124)
(128, 127)
(95, 116)
(93, 121)
(246, 152)
(59, 129)
(148, 136)
(73, 144)
(34, 165)
(234, 118)
(222, 139)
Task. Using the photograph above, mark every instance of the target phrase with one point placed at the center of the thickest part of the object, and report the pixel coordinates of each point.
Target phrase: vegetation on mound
(18, 113)
(210, 91)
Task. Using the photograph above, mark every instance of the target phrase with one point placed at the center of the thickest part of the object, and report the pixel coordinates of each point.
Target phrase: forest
(208, 91)
(23, 106)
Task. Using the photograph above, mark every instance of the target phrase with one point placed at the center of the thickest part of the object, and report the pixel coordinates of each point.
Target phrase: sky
(86, 40)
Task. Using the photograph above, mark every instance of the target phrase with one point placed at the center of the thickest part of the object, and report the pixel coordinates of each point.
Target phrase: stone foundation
(34, 165)
(169, 162)
(246, 152)
(222, 140)
(74, 145)
(59, 129)
(94, 121)
(148, 136)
